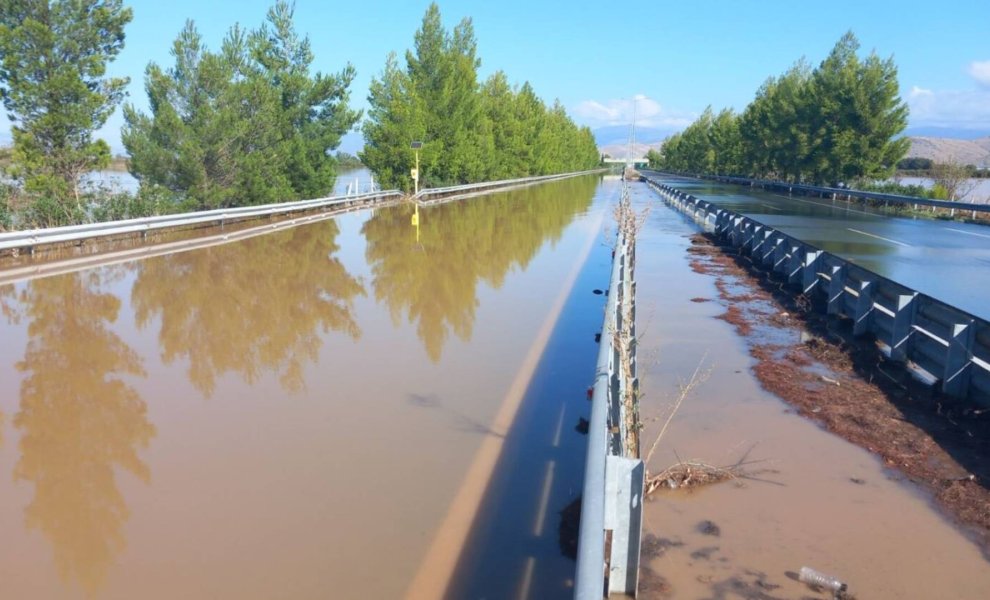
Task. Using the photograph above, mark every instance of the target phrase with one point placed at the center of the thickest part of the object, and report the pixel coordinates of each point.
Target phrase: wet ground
(801, 497)
(313, 413)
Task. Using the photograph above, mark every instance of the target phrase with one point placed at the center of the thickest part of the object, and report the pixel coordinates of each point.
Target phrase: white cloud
(647, 111)
(966, 109)
(980, 71)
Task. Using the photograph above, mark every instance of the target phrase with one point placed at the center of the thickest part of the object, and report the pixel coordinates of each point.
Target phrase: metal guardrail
(611, 502)
(38, 270)
(432, 195)
(32, 238)
(835, 193)
(940, 343)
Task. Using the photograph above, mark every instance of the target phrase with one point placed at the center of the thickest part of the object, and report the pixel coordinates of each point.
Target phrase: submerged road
(361, 406)
(946, 260)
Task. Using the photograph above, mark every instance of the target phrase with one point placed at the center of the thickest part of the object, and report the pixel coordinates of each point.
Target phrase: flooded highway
(324, 411)
(946, 260)
(359, 407)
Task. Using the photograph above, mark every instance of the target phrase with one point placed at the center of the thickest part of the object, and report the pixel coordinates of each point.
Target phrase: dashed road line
(879, 237)
(824, 205)
(982, 235)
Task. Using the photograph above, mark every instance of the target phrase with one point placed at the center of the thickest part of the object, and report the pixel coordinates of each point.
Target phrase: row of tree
(470, 131)
(250, 123)
(839, 122)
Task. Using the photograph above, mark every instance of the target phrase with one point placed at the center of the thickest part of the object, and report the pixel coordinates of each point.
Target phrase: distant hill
(947, 132)
(940, 149)
(622, 150)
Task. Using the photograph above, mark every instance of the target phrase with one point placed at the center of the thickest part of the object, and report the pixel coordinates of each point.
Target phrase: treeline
(839, 122)
(470, 131)
(246, 124)
(926, 167)
(249, 122)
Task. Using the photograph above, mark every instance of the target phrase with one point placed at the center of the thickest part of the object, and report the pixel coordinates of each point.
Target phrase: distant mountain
(947, 132)
(963, 151)
(619, 134)
(622, 150)
(939, 149)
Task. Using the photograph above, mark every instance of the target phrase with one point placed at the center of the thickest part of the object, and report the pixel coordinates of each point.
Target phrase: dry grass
(688, 474)
(629, 223)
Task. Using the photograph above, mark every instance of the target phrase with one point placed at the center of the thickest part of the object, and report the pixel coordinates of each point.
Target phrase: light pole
(415, 172)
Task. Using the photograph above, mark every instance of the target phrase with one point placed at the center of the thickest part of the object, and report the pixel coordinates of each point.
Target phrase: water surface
(814, 500)
(947, 260)
(290, 415)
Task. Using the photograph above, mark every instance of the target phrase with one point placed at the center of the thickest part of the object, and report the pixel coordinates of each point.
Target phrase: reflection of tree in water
(9, 312)
(249, 306)
(462, 242)
(79, 422)
(7, 308)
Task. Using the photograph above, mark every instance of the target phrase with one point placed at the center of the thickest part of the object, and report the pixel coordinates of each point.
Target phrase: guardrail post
(721, 222)
(735, 233)
(809, 272)
(864, 309)
(624, 479)
(957, 359)
(755, 239)
(769, 246)
(836, 288)
(794, 261)
(779, 254)
(903, 326)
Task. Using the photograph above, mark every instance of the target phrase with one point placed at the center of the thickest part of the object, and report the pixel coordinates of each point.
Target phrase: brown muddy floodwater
(814, 499)
(312, 413)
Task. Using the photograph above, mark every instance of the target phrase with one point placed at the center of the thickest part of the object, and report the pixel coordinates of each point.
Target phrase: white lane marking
(560, 427)
(541, 513)
(879, 238)
(770, 207)
(982, 235)
(527, 579)
(825, 205)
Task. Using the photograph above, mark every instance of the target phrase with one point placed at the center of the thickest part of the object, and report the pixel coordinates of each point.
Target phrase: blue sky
(675, 57)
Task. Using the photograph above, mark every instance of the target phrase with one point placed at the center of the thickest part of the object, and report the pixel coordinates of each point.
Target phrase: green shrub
(149, 201)
(6, 212)
(891, 187)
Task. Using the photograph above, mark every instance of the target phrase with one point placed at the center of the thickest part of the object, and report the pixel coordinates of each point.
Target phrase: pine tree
(53, 59)
(394, 122)
(855, 111)
(470, 132)
(246, 125)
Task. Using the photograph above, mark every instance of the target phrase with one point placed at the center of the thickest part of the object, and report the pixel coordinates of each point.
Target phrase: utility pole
(415, 172)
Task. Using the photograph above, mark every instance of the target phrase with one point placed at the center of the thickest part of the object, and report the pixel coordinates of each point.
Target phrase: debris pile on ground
(690, 474)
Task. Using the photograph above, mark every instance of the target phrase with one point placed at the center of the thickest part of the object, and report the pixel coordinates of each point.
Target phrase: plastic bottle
(817, 579)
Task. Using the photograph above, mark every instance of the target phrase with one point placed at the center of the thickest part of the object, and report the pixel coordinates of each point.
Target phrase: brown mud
(813, 362)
